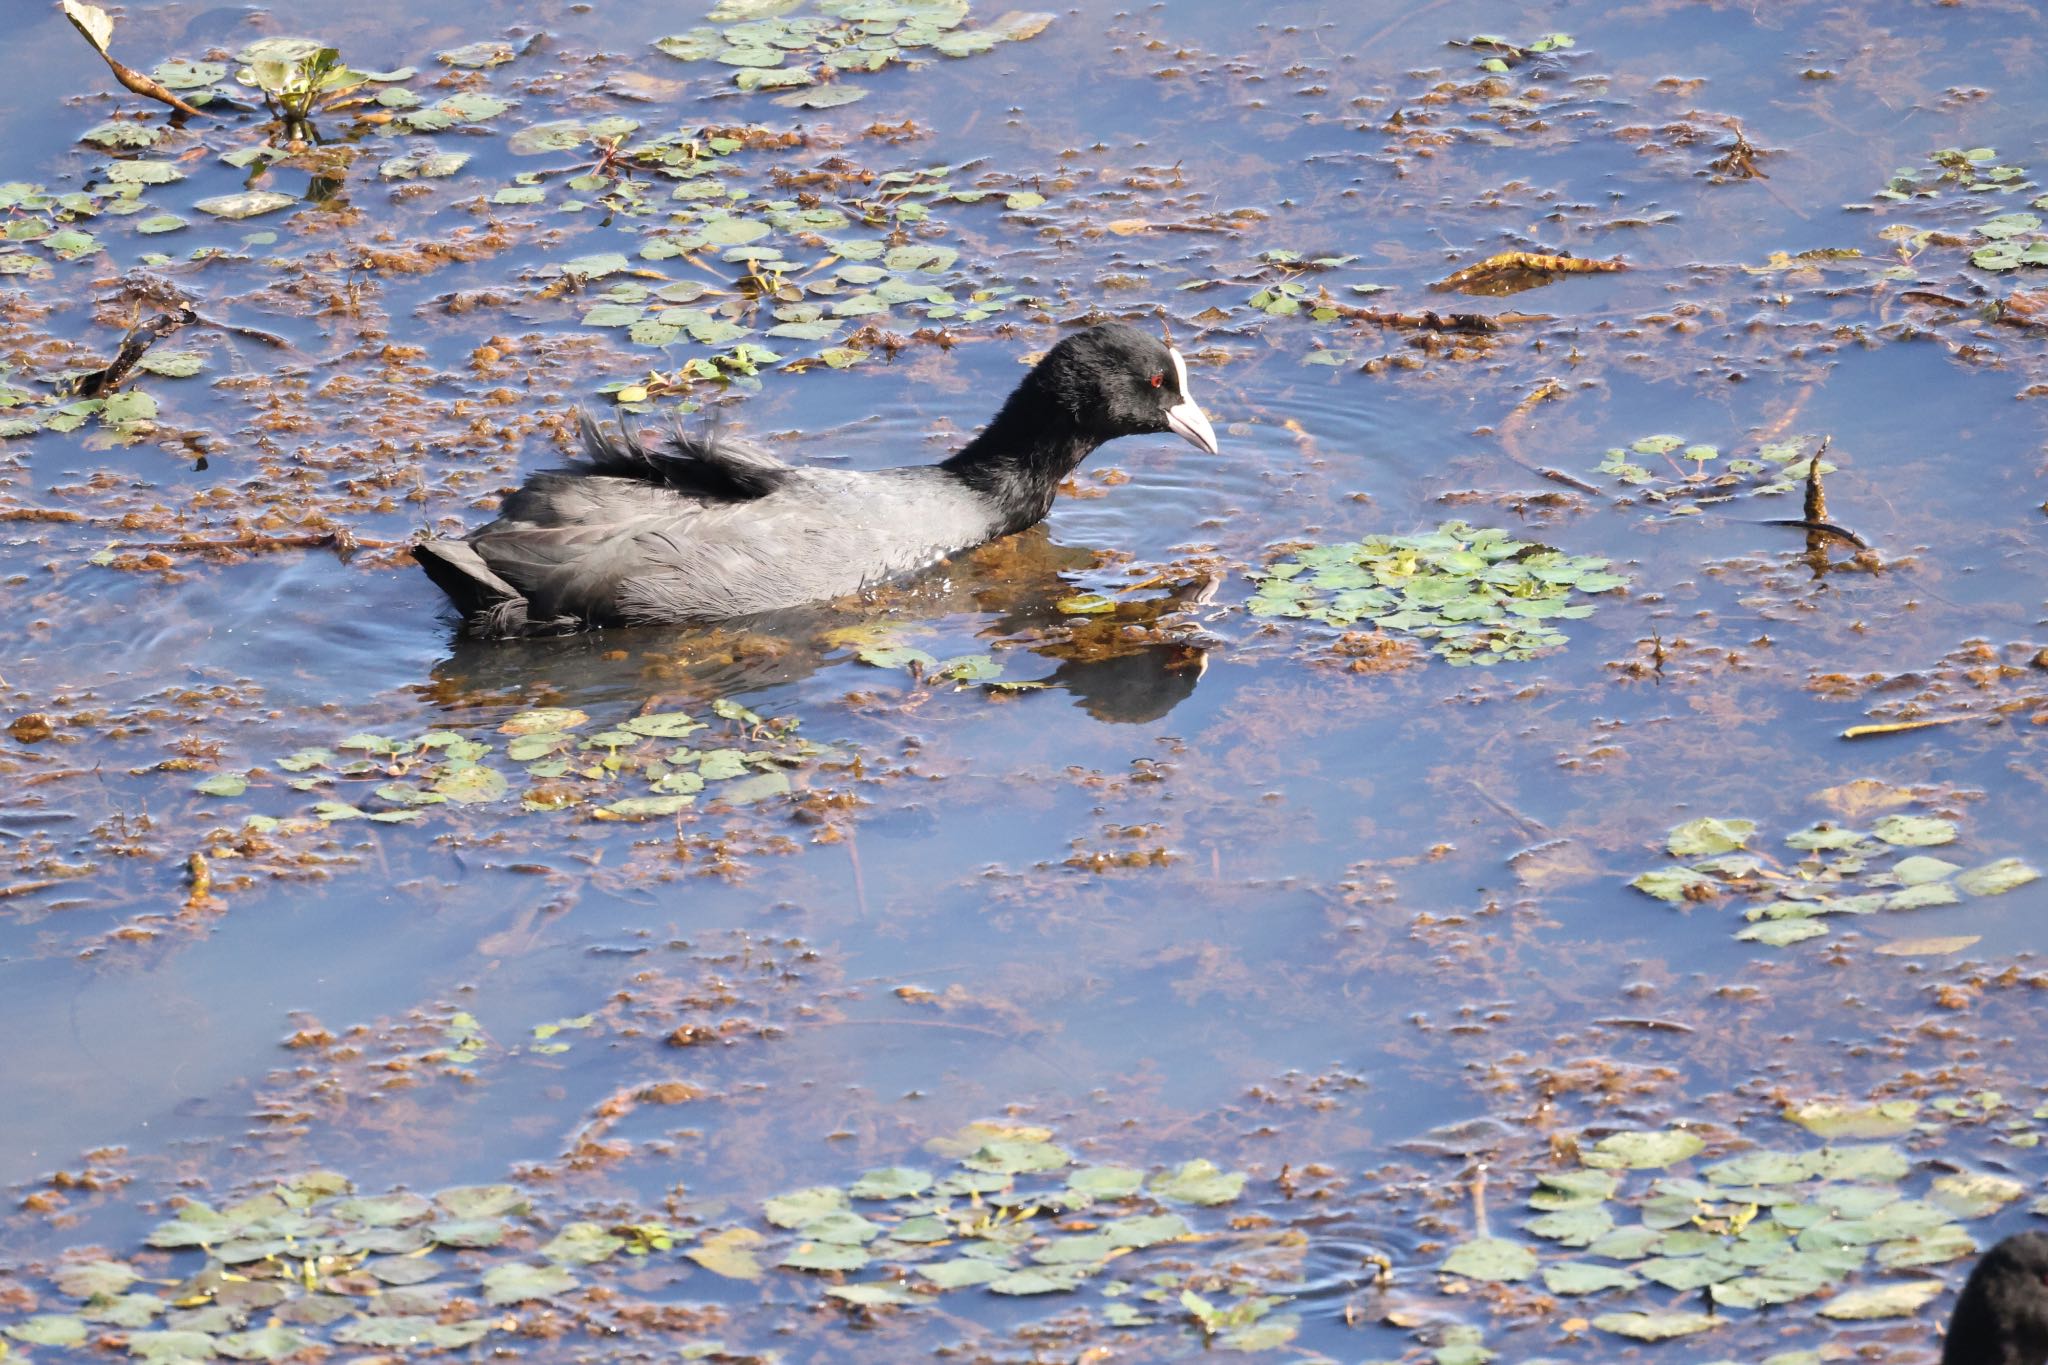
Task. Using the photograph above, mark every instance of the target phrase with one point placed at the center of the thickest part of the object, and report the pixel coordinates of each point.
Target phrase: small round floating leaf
(521, 1283)
(172, 364)
(1106, 1182)
(398, 1332)
(95, 1278)
(870, 1295)
(1581, 1277)
(1038, 1280)
(472, 785)
(1901, 1300)
(265, 1343)
(921, 1230)
(48, 1329)
(1643, 1151)
(1920, 869)
(143, 173)
(1573, 1227)
(822, 96)
(1708, 836)
(825, 1256)
(1010, 1156)
(423, 165)
(1975, 1196)
(647, 807)
(843, 1228)
(1995, 879)
(170, 1346)
(483, 1201)
(795, 1209)
(1198, 1182)
(1780, 933)
(730, 1253)
(891, 1182)
(1949, 1242)
(1147, 1229)
(248, 204)
(1087, 1249)
(1655, 1326)
(1493, 1259)
(1764, 1168)
(1824, 836)
(596, 267)
(961, 1272)
(1572, 1189)
(223, 784)
(1914, 831)
(478, 55)
(1671, 883)
(582, 1244)
(1921, 897)
(1889, 1118)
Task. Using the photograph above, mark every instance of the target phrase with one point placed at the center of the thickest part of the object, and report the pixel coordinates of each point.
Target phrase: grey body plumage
(708, 528)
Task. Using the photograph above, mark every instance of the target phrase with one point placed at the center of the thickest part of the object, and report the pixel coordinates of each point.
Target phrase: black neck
(1020, 459)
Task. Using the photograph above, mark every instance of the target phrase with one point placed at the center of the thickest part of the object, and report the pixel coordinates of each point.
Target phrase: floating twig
(1739, 161)
(1654, 1025)
(133, 347)
(96, 27)
(1898, 727)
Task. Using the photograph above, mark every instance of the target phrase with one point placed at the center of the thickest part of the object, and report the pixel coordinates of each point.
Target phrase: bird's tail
(489, 605)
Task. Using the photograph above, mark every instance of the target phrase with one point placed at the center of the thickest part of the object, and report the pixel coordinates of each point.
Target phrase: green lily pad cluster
(806, 277)
(645, 767)
(312, 1264)
(804, 272)
(806, 49)
(1827, 869)
(1669, 467)
(1959, 178)
(1502, 55)
(1014, 1215)
(2015, 1125)
(1761, 1228)
(1478, 595)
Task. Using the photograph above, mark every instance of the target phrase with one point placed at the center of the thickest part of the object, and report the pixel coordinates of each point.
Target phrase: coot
(708, 528)
(2001, 1316)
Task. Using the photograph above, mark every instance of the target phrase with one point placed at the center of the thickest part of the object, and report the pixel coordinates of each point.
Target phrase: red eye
(1157, 380)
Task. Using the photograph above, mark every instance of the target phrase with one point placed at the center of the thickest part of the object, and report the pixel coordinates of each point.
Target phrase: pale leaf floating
(1932, 946)
(247, 204)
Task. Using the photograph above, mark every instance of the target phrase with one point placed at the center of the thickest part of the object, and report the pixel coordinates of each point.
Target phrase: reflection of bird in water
(2001, 1317)
(1134, 663)
(710, 529)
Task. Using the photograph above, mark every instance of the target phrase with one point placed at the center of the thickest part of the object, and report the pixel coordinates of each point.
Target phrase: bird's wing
(704, 465)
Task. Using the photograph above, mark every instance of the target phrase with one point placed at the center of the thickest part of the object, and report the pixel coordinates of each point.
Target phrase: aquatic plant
(1478, 595)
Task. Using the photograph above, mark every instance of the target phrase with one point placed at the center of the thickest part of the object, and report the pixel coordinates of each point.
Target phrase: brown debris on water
(1510, 272)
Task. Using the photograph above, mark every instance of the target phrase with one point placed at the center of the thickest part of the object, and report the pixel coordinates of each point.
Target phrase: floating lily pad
(1491, 1258)
(423, 165)
(1642, 1151)
(1901, 1300)
(478, 55)
(248, 204)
